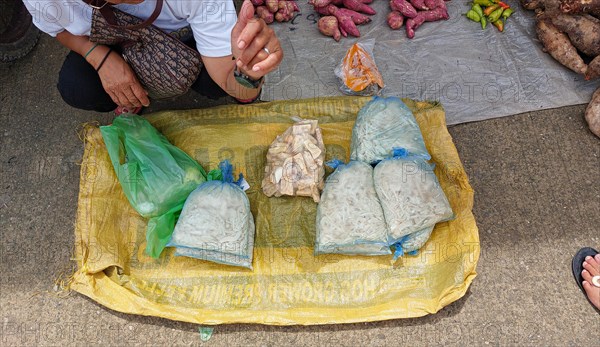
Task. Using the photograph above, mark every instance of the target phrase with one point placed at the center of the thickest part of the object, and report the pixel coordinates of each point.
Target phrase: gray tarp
(476, 74)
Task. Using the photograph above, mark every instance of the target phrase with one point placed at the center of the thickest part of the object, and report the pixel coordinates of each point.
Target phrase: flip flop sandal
(577, 267)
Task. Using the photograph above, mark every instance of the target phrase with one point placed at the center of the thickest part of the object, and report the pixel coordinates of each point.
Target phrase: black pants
(80, 86)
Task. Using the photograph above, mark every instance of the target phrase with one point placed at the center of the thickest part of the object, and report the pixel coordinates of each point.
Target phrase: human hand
(249, 38)
(120, 82)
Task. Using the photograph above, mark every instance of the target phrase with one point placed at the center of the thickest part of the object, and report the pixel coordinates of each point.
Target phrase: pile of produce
(340, 17)
(295, 162)
(358, 73)
(275, 10)
(414, 13)
(490, 11)
(349, 217)
(570, 32)
(216, 223)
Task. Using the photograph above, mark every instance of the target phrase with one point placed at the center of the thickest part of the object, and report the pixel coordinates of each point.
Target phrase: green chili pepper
(483, 2)
(472, 15)
(495, 15)
(477, 8)
(483, 23)
(507, 13)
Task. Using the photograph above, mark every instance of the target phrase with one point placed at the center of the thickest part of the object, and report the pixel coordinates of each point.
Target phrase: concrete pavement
(537, 182)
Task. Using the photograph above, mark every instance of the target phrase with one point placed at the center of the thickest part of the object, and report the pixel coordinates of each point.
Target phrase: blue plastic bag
(383, 124)
(216, 223)
(349, 217)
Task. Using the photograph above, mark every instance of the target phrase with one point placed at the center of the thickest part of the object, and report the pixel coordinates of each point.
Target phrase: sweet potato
(264, 13)
(285, 12)
(404, 7)
(258, 2)
(583, 31)
(433, 4)
(436, 14)
(346, 23)
(395, 20)
(320, 3)
(419, 5)
(559, 47)
(357, 18)
(592, 113)
(328, 26)
(295, 6)
(272, 5)
(579, 6)
(593, 69)
(358, 6)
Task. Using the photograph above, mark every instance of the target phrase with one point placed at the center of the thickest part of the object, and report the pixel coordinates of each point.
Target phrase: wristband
(90, 51)
(103, 60)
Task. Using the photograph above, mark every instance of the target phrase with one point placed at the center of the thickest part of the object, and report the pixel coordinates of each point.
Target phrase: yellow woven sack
(289, 285)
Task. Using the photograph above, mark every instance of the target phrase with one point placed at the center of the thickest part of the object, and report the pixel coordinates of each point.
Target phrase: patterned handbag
(165, 66)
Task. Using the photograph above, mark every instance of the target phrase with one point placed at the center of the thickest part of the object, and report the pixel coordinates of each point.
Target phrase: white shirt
(211, 20)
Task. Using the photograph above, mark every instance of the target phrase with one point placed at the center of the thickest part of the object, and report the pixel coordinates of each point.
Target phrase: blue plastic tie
(399, 250)
(334, 163)
(226, 170)
(415, 252)
(398, 152)
(239, 181)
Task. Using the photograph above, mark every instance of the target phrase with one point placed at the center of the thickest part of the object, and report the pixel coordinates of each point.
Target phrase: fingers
(131, 98)
(255, 49)
(250, 32)
(245, 15)
(269, 64)
(140, 94)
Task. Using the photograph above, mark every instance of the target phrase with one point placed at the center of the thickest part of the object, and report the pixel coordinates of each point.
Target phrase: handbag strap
(106, 11)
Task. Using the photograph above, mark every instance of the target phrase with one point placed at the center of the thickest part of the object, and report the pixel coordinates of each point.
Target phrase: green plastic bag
(156, 176)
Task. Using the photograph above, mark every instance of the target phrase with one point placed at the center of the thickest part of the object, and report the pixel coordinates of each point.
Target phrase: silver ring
(266, 50)
(596, 281)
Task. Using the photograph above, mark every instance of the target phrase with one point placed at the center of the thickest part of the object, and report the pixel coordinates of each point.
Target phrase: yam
(583, 31)
(592, 113)
(579, 6)
(559, 47)
(593, 69)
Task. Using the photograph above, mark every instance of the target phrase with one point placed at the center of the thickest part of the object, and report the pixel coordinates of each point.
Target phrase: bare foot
(591, 268)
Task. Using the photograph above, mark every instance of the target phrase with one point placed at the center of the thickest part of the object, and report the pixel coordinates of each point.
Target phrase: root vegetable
(357, 18)
(548, 5)
(358, 6)
(404, 7)
(433, 4)
(419, 5)
(593, 69)
(272, 5)
(295, 6)
(320, 3)
(264, 13)
(583, 31)
(323, 10)
(258, 2)
(395, 20)
(346, 23)
(592, 113)
(424, 16)
(559, 47)
(579, 6)
(328, 26)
